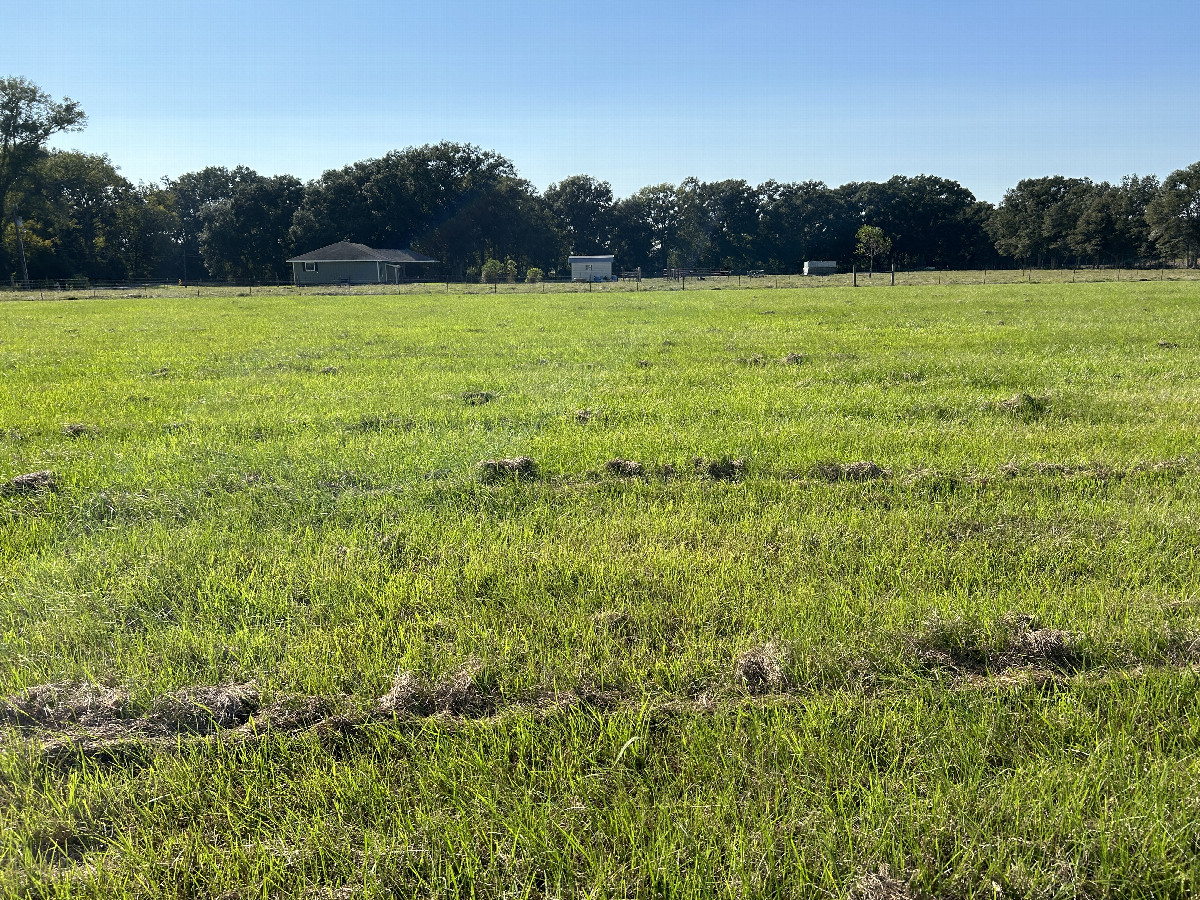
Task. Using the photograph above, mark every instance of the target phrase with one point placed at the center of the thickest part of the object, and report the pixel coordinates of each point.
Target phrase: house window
(310, 267)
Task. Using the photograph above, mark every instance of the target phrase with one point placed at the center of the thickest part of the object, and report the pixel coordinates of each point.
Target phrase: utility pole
(21, 244)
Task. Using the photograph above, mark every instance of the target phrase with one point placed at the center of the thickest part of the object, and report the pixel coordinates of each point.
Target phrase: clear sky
(632, 93)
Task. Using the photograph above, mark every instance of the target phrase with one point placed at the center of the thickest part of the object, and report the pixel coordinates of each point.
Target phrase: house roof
(582, 258)
(348, 251)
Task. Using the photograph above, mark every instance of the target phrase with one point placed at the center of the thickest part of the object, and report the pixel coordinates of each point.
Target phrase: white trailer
(820, 267)
(591, 268)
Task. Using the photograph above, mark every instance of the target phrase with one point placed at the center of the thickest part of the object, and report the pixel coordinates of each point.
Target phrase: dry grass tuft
(329, 370)
(458, 695)
(65, 702)
(761, 670)
(516, 467)
(30, 483)
(204, 709)
(723, 469)
(624, 468)
(1025, 405)
(1167, 345)
(794, 359)
(478, 398)
(583, 416)
(643, 363)
(883, 885)
(78, 429)
(1023, 643)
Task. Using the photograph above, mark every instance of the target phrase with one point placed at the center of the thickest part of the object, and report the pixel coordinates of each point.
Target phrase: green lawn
(274, 632)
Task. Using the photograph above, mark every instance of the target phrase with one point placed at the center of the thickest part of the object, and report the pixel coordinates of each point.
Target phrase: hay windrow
(624, 468)
(723, 468)
(761, 669)
(30, 483)
(512, 468)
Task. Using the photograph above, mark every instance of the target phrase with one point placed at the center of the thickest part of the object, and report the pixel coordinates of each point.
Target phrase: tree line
(469, 208)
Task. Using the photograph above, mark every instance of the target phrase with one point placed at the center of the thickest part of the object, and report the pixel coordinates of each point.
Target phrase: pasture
(801, 593)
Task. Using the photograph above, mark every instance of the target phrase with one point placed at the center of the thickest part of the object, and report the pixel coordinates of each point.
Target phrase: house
(591, 268)
(820, 267)
(348, 263)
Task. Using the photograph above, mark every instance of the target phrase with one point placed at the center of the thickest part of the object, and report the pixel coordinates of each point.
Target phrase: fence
(77, 289)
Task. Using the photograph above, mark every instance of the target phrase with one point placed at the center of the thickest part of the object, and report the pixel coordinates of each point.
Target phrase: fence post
(893, 274)
(854, 273)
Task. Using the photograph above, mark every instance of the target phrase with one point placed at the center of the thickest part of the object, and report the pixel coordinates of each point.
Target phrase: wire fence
(79, 289)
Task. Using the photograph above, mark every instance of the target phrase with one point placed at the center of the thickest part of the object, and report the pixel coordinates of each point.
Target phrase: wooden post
(854, 273)
(893, 274)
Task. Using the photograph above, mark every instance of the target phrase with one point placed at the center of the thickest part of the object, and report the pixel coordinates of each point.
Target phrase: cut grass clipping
(868, 597)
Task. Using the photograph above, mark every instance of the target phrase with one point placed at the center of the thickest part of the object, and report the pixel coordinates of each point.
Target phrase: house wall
(362, 272)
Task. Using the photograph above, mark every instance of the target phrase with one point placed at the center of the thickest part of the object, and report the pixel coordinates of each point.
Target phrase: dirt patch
(458, 695)
(65, 703)
(723, 469)
(478, 398)
(204, 709)
(760, 670)
(863, 470)
(624, 468)
(78, 429)
(516, 467)
(30, 483)
(794, 359)
(1025, 405)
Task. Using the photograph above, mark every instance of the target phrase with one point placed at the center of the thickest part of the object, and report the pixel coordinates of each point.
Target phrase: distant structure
(348, 263)
(591, 268)
(820, 267)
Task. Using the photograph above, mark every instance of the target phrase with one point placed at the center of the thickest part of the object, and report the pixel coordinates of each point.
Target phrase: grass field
(801, 593)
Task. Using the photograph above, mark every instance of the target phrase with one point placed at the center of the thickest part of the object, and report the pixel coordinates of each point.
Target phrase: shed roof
(348, 251)
(607, 258)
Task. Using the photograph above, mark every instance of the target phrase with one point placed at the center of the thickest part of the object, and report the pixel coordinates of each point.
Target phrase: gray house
(348, 263)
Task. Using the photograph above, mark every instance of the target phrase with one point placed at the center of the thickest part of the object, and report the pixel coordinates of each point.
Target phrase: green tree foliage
(28, 118)
(583, 210)
(455, 202)
(492, 271)
(1174, 214)
(646, 226)
(247, 236)
(871, 244)
(533, 275)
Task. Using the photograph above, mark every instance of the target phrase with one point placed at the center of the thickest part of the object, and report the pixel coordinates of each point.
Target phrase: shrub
(533, 275)
(493, 270)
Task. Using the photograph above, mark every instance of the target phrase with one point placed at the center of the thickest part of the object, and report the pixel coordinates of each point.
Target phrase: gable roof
(348, 251)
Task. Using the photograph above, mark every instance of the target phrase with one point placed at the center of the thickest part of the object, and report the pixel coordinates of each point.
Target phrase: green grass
(976, 672)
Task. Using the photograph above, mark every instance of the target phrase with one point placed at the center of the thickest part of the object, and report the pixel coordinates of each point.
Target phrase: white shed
(591, 268)
(820, 267)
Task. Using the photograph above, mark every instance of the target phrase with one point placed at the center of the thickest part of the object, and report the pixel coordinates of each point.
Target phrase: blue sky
(632, 93)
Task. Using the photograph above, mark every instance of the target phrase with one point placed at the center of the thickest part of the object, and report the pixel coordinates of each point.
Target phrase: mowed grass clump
(612, 595)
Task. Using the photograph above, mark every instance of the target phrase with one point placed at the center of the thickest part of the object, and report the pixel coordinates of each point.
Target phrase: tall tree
(28, 118)
(245, 238)
(583, 210)
(872, 243)
(1174, 215)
